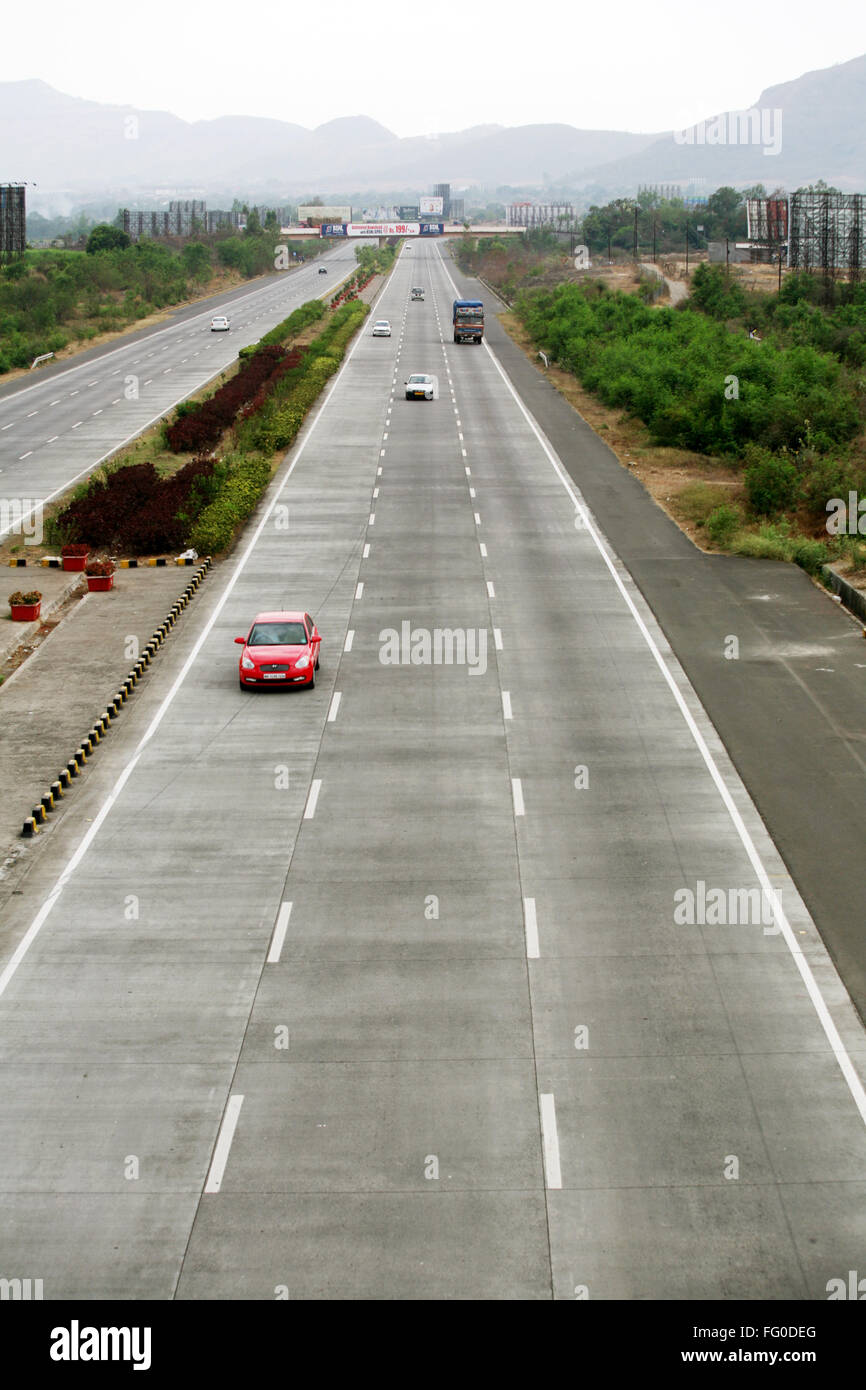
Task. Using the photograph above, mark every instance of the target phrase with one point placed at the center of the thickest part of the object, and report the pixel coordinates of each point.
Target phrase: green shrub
(722, 523)
(772, 482)
(810, 555)
(245, 480)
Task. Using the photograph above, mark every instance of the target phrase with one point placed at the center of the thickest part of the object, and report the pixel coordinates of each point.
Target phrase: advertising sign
(432, 228)
(332, 229)
(382, 229)
(431, 207)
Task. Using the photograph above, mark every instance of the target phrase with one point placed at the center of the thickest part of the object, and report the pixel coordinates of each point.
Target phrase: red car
(279, 649)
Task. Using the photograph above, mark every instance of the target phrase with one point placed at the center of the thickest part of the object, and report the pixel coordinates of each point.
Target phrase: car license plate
(274, 675)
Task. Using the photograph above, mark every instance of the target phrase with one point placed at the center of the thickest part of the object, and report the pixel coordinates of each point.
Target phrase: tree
(254, 224)
(271, 222)
(104, 237)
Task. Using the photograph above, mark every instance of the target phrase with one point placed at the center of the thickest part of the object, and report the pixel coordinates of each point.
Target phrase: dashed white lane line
(359, 589)
(379, 471)
(366, 554)
(279, 935)
(375, 492)
(517, 796)
(223, 1144)
(78, 424)
(335, 705)
(9, 426)
(372, 521)
(550, 1140)
(497, 638)
(530, 928)
(467, 470)
(52, 439)
(483, 548)
(30, 416)
(477, 516)
(98, 412)
(491, 592)
(506, 705)
(25, 456)
(310, 808)
(350, 637)
(57, 402)
(472, 492)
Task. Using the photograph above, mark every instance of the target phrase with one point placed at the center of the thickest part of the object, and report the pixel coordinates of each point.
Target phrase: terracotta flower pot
(100, 583)
(25, 612)
(74, 563)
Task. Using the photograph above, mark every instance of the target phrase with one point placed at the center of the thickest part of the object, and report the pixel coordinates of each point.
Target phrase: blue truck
(468, 320)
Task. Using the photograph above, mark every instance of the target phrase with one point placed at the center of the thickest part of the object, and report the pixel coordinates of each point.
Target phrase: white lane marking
(279, 935)
(366, 554)
(483, 548)
(116, 400)
(9, 426)
(467, 470)
(472, 492)
(385, 435)
(497, 638)
(381, 453)
(379, 471)
(98, 412)
(101, 815)
(57, 402)
(491, 592)
(74, 393)
(372, 521)
(350, 637)
(477, 518)
(550, 1140)
(335, 705)
(223, 1144)
(517, 795)
(359, 589)
(530, 928)
(310, 808)
(52, 439)
(840, 1052)
(506, 705)
(78, 425)
(375, 492)
(25, 456)
(32, 413)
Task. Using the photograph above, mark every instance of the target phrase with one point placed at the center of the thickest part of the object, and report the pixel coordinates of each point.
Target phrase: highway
(425, 983)
(56, 428)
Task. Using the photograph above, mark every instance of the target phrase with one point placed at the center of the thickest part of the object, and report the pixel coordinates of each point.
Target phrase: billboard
(431, 207)
(382, 229)
(332, 229)
(432, 228)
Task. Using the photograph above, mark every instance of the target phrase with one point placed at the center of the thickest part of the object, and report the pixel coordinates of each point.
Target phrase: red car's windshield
(278, 635)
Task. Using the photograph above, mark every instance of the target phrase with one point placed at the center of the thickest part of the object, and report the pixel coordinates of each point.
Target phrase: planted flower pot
(25, 608)
(100, 576)
(74, 557)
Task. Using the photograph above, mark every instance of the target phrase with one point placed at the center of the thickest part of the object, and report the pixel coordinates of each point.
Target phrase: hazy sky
(422, 66)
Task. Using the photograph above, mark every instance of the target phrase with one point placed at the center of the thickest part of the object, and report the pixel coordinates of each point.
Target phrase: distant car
(323, 270)
(219, 324)
(279, 649)
(420, 387)
(417, 292)
(382, 328)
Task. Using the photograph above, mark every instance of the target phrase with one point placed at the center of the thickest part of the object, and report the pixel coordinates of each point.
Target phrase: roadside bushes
(772, 482)
(135, 511)
(201, 428)
(244, 481)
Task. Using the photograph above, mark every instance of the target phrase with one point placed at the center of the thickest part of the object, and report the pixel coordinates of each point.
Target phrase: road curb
(853, 599)
(102, 724)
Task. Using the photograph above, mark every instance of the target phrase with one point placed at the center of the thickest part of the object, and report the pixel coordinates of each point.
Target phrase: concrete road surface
(471, 973)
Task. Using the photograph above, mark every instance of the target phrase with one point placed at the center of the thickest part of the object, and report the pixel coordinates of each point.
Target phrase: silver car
(420, 387)
(381, 329)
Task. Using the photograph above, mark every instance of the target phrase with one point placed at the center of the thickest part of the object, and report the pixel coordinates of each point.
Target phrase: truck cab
(468, 320)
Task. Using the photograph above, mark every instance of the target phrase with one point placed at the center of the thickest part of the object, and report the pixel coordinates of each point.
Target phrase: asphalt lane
(57, 428)
(386, 995)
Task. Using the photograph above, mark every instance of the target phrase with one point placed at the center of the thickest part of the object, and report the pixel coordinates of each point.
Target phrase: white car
(420, 386)
(381, 329)
(219, 324)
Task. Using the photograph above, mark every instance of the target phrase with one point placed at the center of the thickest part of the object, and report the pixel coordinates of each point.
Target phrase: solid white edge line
(312, 798)
(550, 1141)
(279, 935)
(530, 928)
(93, 829)
(831, 1032)
(517, 795)
(335, 705)
(223, 1144)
